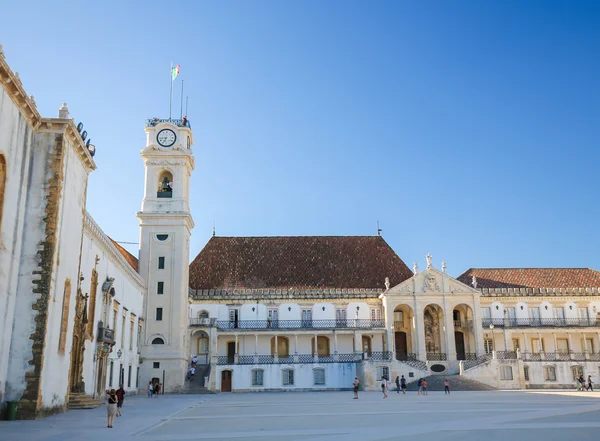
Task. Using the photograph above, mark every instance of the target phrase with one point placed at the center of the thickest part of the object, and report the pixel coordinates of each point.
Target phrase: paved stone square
(331, 416)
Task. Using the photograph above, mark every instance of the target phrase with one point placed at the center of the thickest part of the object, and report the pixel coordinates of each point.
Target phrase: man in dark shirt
(120, 399)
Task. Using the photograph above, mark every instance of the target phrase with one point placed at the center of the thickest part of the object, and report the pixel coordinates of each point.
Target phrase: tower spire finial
(214, 229)
(379, 230)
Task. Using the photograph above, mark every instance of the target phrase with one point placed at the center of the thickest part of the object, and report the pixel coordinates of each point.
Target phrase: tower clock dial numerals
(166, 137)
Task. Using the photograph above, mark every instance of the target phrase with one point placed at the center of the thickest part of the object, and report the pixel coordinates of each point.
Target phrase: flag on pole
(174, 72)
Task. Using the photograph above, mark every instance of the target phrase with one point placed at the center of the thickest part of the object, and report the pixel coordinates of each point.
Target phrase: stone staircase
(457, 383)
(197, 386)
(83, 401)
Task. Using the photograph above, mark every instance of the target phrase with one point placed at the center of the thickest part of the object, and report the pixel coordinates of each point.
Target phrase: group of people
(115, 404)
(192, 369)
(401, 386)
(581, 383)
(153, 389)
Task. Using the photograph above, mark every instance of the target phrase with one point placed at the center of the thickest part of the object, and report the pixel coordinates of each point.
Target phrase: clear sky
(470, 130)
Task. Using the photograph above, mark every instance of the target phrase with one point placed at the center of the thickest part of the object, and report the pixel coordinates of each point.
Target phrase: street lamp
(492, 331)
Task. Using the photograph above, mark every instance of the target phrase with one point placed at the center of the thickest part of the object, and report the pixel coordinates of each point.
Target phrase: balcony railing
(436, 356)
(539, 322)
(203, 322)
(290, 359)
(466, 356)
(463, 324)
(506, 355)
(558, 356)
(178, 122)
(406, 356)
(106, 335)
(258, 325)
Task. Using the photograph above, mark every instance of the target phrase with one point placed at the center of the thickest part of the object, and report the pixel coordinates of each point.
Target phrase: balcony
(178, 122)
(106, 335)
(289, 359)
(203, 322)
(277, 325)
(463, 324)
(539, 322)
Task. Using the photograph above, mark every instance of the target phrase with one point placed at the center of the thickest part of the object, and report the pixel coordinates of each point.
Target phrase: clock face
(166, 137)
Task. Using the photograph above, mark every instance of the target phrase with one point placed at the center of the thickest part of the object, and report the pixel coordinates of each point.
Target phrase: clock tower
(165, 229)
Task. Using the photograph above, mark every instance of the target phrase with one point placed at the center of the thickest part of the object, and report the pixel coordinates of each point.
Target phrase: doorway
(225, 381)
(366, 345)
(401, 345)
(459, 338)
(230, 352)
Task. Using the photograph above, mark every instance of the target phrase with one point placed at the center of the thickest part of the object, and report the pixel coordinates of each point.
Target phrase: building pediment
(431, 282)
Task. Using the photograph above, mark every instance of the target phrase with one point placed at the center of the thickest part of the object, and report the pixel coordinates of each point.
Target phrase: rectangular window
(526, 373)
(234, 317)
(121, 374)
(550, 373)
(583, 315)
(161, 263)
(272, 317)
(123, 331)
(307, 318)
(486, 312)
(511, 313)
(559, 313)
(64, 321)
(399, 319)
(576, 372)
(376, 313)
(137, 377)
(588, 345)
(160, 289)
(115, 315)
(257, 377)
(159, 314)
(288, 377)
(340, 317)
(381, 371)
(131, 333)
(506, 373)
(319, 377)
(156, 365)
(110, 374)
(129, 377)
(488, 345)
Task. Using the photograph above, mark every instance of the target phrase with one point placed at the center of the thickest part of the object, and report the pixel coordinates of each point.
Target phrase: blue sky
(470, 130)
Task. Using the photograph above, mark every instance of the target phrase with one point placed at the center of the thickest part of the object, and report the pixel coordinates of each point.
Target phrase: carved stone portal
(432, 330)
(79, 336)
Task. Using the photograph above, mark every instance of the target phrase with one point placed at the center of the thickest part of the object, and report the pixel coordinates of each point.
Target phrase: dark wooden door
(230, 351)
(225, 381)
(460, 345)
(401, 346)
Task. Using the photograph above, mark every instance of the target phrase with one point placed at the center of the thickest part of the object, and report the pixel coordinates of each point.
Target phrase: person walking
(403, 384)
(424, 386)
(355, 386)
(384, 386)
(446, 386)
(156, 389)
(120, 399)
(589, 386)
(150, 389)
(192, 372)
(419, 386)
(398, 383)
(194, 361)
(111, 408)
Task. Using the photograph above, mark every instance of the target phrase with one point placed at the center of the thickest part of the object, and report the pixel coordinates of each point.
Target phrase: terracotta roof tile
(532, 277)
(296, 262)
(127, 255)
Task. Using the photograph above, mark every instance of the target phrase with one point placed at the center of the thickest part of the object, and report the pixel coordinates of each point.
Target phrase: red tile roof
(532, 277)
(297, 262)
(127, 255)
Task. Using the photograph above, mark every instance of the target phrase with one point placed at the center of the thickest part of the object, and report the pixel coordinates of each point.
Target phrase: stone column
(296, 356)
(276, 351)
(335, 343)
(448, 316)
(478, 326)
(421, 350)
(255, 348)
(236, 355)
(389, 328)
(316, 348)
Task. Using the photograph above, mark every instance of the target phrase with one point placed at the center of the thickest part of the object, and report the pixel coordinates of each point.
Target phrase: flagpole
(181, 115)
(171, 95)
(186, 103)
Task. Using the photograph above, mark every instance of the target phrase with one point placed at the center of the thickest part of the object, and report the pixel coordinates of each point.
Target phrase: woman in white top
(384, 386)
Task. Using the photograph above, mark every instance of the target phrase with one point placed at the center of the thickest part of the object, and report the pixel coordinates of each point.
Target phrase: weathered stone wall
(15, 146)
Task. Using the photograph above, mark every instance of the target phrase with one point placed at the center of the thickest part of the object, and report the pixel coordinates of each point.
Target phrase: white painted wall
(15, 146)
(337, 376)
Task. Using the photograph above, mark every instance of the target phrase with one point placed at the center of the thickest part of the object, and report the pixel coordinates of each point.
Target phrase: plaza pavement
(330, 416)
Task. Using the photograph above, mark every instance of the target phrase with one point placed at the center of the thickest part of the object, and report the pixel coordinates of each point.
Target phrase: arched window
(3, 174)
(158, 341)
(322, 346)
(283, 346)
(165, 185)
(203, 314)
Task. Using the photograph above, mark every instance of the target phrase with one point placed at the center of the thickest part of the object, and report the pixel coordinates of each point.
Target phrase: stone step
(457, 383)
(82, 401)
